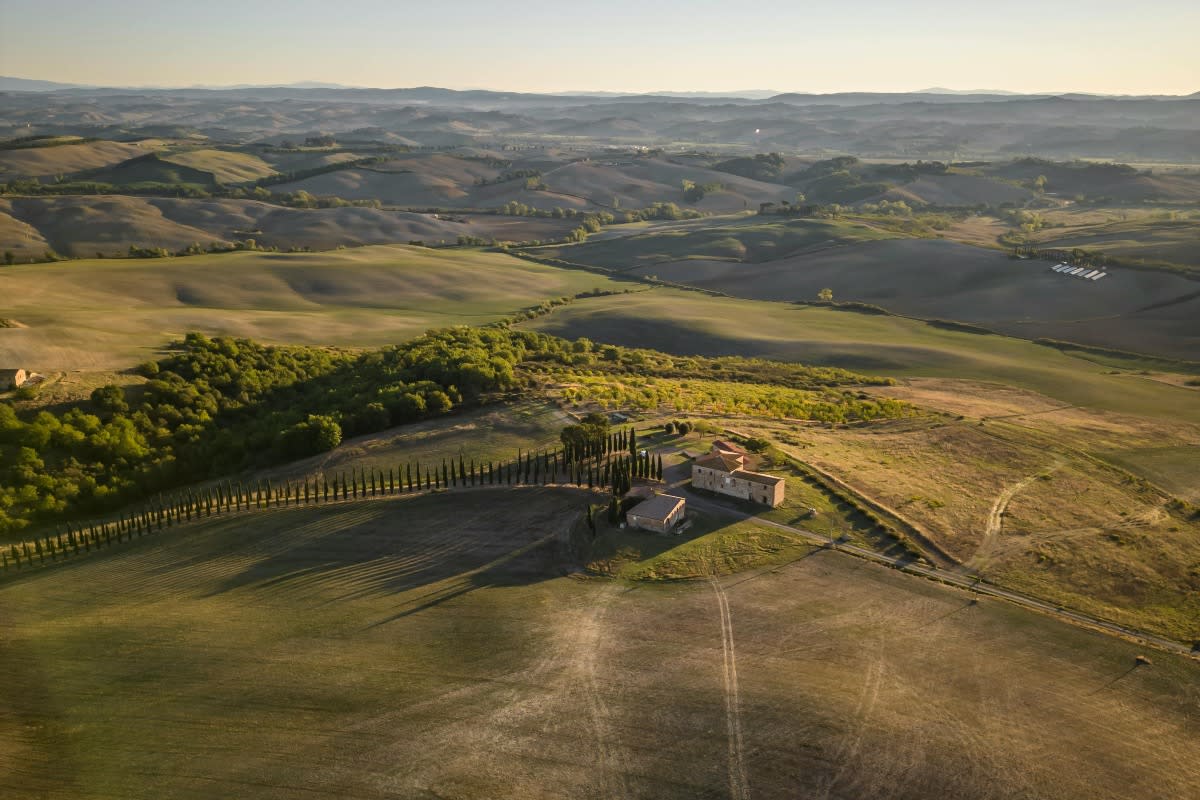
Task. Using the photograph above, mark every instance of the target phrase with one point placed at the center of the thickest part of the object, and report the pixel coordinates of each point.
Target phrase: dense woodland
(221, 406)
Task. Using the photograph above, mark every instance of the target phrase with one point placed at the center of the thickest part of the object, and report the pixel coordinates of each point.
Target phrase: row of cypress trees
(611, 468)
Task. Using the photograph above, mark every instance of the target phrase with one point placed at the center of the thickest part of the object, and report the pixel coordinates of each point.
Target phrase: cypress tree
(391, 481)
(445, 474)
(633, 448)
(408, 469)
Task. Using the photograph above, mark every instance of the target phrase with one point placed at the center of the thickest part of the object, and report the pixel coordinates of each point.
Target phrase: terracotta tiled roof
(719, 460)
(760, 478)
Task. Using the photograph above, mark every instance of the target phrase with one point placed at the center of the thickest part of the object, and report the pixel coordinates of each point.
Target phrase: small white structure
(12, 379)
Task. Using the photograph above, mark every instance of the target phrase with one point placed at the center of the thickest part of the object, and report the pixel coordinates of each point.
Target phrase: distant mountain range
(10, 84)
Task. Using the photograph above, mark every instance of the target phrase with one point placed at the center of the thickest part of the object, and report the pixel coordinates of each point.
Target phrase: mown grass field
(105, 314)
(692, 323)
(433, 647)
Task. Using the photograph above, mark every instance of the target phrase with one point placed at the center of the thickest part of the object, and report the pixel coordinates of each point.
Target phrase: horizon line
(318, 84)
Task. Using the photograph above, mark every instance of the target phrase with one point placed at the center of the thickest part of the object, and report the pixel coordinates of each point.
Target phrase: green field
(692, 323)
(432, 647)
(104, 314)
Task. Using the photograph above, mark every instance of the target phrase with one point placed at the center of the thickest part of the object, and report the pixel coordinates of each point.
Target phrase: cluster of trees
(513, 175)
(89, 187)
(763, 167)
(887, 208)
(695, 192)
(668, 211)
(546, 306)
(218, 406)
(908, 172)
(42, 140)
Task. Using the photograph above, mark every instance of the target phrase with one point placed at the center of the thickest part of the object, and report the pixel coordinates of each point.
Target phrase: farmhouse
(724, 471)
(660, 513)
(12, 379)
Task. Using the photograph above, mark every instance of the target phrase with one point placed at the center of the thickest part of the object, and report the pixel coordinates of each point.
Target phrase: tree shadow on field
(445, 544)
(1119, 678)
(971, 603)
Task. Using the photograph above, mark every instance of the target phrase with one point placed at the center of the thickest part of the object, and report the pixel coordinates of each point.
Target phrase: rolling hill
(84, 226)
(113, 313)
(1150, 312)
(226, 166)
(736, 239)
(65, 159)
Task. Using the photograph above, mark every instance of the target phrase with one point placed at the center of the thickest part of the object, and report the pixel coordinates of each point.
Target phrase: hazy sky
(628, 45)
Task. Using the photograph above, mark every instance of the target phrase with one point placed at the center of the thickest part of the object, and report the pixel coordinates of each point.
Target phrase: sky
(1126, 47)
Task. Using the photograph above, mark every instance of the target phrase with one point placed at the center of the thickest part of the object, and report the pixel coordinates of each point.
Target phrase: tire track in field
(739, 784)
(851, 745)
(995, 520)
(614, 758)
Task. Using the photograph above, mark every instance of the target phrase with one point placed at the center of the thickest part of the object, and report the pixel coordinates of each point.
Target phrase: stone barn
(724, 472)
(12, 379)
(659, 514)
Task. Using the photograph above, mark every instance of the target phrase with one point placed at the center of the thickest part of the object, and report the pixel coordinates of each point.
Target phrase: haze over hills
(599, 444)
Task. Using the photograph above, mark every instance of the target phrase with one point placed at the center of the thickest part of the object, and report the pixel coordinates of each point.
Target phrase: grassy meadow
(108, 313)
(439, 647)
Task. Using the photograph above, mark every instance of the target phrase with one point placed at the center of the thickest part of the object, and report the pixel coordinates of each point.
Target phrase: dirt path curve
(739, 784)
(995, 520)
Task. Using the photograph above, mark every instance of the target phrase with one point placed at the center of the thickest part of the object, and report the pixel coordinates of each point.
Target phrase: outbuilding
(659, 514)
(12, 379)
